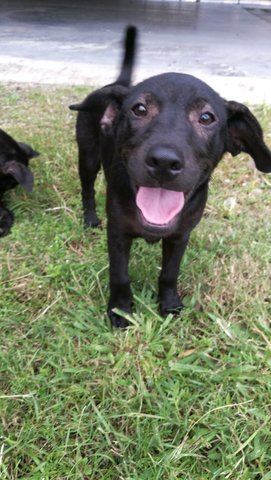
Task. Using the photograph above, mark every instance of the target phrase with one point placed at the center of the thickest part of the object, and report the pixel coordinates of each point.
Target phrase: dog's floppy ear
(111, 112)
(20, 172)
(100, 99)
(28, 151)
(91, 103)
(105, 103)
(245, 135)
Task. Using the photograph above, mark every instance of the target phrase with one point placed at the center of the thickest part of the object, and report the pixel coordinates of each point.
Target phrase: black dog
(14, 159)
(159, 142)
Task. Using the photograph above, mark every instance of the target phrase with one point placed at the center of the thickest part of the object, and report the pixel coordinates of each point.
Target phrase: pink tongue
(159, 205)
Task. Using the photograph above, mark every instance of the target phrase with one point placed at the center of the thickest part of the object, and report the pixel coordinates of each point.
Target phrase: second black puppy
(159, 143)
(14, 170)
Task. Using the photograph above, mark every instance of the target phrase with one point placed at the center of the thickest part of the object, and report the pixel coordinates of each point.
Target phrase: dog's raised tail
(125, 75)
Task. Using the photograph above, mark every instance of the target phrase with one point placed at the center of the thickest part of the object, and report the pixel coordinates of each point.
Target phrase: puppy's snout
(164, 163)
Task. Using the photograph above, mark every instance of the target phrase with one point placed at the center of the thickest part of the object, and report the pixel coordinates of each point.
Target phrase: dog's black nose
(163, 163)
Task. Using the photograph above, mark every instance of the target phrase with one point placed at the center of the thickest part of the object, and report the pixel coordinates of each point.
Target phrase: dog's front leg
(6, 220)
(120, 292)
(168, 297)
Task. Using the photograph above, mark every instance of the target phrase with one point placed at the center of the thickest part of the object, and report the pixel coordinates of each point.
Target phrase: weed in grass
(185, 398)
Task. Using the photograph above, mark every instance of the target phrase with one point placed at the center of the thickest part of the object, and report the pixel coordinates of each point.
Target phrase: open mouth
(159, 206)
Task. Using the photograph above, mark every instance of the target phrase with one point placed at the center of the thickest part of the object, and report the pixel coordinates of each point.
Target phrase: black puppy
(159, 143)
(14, 159)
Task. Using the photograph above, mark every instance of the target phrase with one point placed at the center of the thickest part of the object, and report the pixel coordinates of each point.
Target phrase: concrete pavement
(227, 45)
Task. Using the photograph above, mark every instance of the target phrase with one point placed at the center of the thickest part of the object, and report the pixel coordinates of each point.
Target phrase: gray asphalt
(57, 41)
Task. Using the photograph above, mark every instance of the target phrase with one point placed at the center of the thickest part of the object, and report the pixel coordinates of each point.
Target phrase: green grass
(185, 398)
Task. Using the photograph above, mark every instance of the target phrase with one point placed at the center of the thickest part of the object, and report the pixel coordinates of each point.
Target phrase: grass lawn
(185, 398)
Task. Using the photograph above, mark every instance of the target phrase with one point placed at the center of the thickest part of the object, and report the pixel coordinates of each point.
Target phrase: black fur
(14, 170)
(168, 132)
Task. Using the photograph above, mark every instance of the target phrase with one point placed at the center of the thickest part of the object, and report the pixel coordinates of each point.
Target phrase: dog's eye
(206, 118)
(140, 110)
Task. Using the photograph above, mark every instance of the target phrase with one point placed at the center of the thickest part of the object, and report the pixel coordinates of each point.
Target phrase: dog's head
(14, 159)
(171, 131)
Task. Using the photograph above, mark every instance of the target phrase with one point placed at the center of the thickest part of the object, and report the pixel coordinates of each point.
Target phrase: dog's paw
(6, 221)
(174, 309)
(117, 320)
(91, 220)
